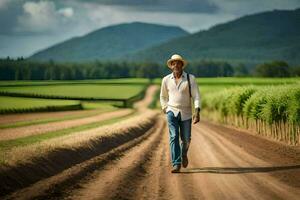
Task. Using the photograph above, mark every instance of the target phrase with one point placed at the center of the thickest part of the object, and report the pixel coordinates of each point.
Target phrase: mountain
(251, 39)
(110, 42)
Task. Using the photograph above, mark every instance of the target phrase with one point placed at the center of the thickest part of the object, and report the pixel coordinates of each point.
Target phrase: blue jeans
(182, 129)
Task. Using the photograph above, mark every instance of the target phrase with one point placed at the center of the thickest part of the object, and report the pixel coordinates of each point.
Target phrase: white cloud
(42, 16)
(66, 12)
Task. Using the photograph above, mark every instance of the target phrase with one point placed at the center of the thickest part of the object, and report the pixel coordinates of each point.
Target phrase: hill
(251, 39)
(110, 42)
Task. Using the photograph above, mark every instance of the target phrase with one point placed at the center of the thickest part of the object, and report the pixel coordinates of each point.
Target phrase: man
(175, 99)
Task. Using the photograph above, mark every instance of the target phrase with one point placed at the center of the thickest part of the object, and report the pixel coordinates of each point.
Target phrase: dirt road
(220, 168)
(225, 163)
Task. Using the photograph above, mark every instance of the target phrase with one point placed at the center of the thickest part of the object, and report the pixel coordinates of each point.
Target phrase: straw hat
(176, 57)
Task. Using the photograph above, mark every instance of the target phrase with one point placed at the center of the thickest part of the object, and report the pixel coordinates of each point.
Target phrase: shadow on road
(237, 170)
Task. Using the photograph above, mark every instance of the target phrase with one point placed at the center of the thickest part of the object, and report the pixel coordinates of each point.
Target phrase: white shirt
(177, 98)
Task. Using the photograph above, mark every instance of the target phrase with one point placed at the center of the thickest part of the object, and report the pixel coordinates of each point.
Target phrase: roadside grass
(92, 91)
(137, 81)
(48, 120)
(16, 104)
(26, 153)
(6, 145)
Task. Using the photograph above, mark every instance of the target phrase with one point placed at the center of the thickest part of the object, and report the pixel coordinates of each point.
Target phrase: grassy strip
(109, 93)
(9, 144)
(130, 81)
(129, 102)
(87, 91)
(86, 106)
(155, 99)
(42, 109)
(16, 105)
(43, 121)
(52, 157)
(228, 81)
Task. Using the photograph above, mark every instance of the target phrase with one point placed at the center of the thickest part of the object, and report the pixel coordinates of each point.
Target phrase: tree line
(23, 69)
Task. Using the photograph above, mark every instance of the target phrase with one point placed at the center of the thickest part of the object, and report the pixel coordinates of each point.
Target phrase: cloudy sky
(30, 25)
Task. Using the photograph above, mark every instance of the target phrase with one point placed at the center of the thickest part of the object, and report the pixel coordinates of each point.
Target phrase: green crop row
(273, 111)
(155, 100)
(78, 91)
(125, 94)
(233, 81)
(126, 81)
(21, 105)
(246, 81)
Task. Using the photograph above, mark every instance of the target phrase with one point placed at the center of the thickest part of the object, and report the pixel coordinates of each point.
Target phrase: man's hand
(196, 116)
(164, 110)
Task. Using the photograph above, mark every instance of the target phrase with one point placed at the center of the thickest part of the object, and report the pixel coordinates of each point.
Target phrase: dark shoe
(185, 161)
(176, 169)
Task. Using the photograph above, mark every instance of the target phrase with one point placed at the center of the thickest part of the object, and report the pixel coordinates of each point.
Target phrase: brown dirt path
(224, 164)
(142, 105)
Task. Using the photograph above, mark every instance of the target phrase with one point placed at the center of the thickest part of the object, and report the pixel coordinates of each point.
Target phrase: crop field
(242, 80)
(134, 81)
(246, 81)
(13, 104)
(209, 85)
(104, 151)
(273, 111)
(119, 93)
(79, 91)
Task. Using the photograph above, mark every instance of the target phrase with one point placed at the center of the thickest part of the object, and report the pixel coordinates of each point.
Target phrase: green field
(271, 110)
(13, 104)
(115, 89)
(242, 81)
(131, 81)
(100, 107)
(210, 85)
(246, 81)
(25, 96)
(79, 90)
(8, 144)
